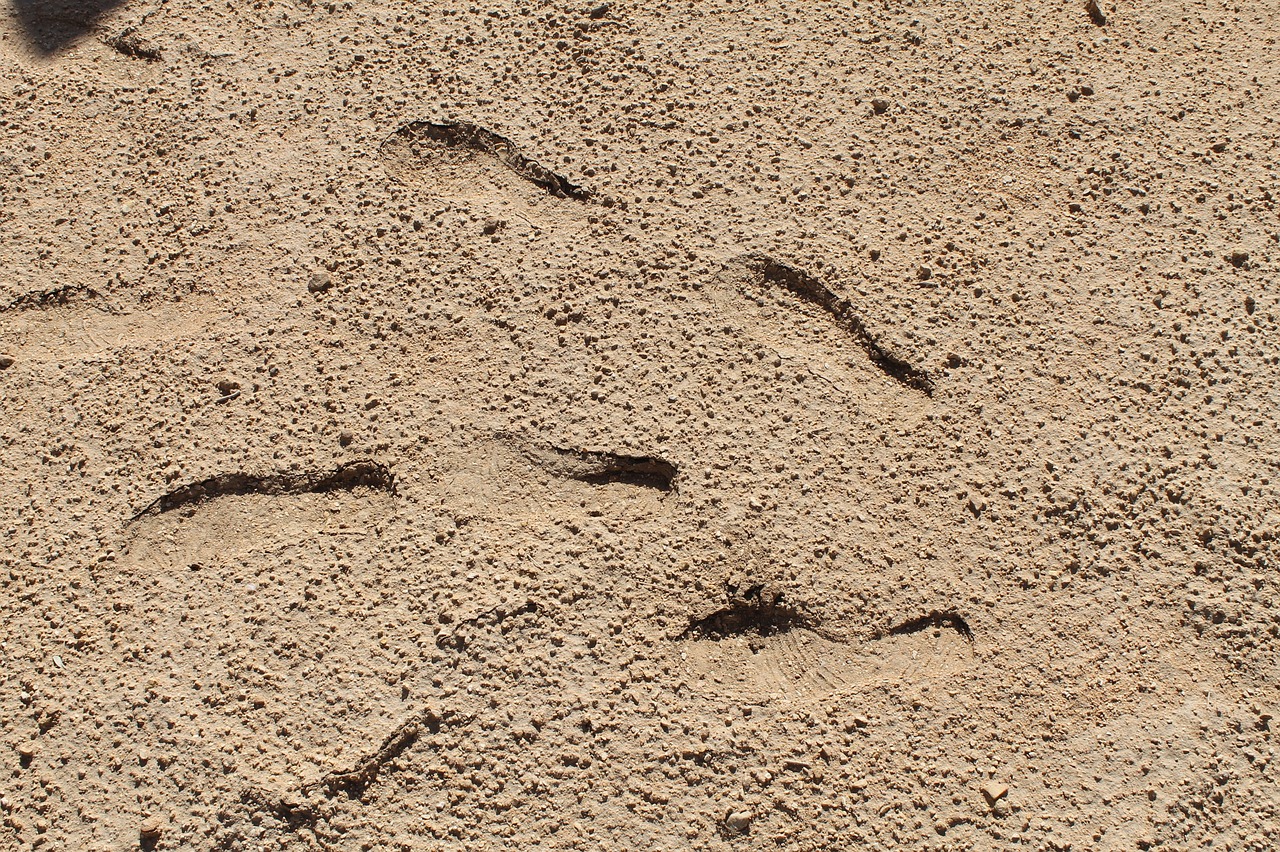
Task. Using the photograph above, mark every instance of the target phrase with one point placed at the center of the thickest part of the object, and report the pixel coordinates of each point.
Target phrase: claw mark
(464, 134)
(345, 478)
(813, 291)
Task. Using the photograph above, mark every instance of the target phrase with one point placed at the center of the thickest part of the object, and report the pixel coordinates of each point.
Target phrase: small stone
(26, 751)
(739, 822)
(345, 439)
(1239, 258)
(924, 273)
(320, 282)
(855, 723)
(993, 791)
(150, 829)
(5, 362)
(492, 226)
(880, 105)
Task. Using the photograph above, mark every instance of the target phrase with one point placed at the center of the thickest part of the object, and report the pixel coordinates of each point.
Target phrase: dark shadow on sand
(51, 25)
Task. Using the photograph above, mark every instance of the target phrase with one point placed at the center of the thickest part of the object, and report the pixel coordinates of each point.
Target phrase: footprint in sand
(458, 161)
(270, 599)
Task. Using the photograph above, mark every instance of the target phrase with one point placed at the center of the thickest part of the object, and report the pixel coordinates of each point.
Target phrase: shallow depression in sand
(799, 664)
(271, 610)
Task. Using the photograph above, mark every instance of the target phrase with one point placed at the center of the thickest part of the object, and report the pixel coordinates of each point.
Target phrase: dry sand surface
(675, 425)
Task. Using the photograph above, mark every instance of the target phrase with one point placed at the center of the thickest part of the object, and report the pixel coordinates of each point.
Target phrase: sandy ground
(701, 425)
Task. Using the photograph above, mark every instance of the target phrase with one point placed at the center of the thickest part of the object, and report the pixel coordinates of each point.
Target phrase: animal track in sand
(796, 314)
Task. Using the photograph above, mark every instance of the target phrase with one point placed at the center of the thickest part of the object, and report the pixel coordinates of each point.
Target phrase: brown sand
(691, 425)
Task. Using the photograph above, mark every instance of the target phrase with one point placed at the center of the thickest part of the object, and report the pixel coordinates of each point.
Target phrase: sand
(639, 426)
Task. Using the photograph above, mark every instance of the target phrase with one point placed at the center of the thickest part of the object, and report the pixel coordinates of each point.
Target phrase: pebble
(320, 282)
(739, 821)
(994, 791)
(150, 828)
(5, 362)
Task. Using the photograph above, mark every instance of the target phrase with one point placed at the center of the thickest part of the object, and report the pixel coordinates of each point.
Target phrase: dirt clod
(739, 822)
